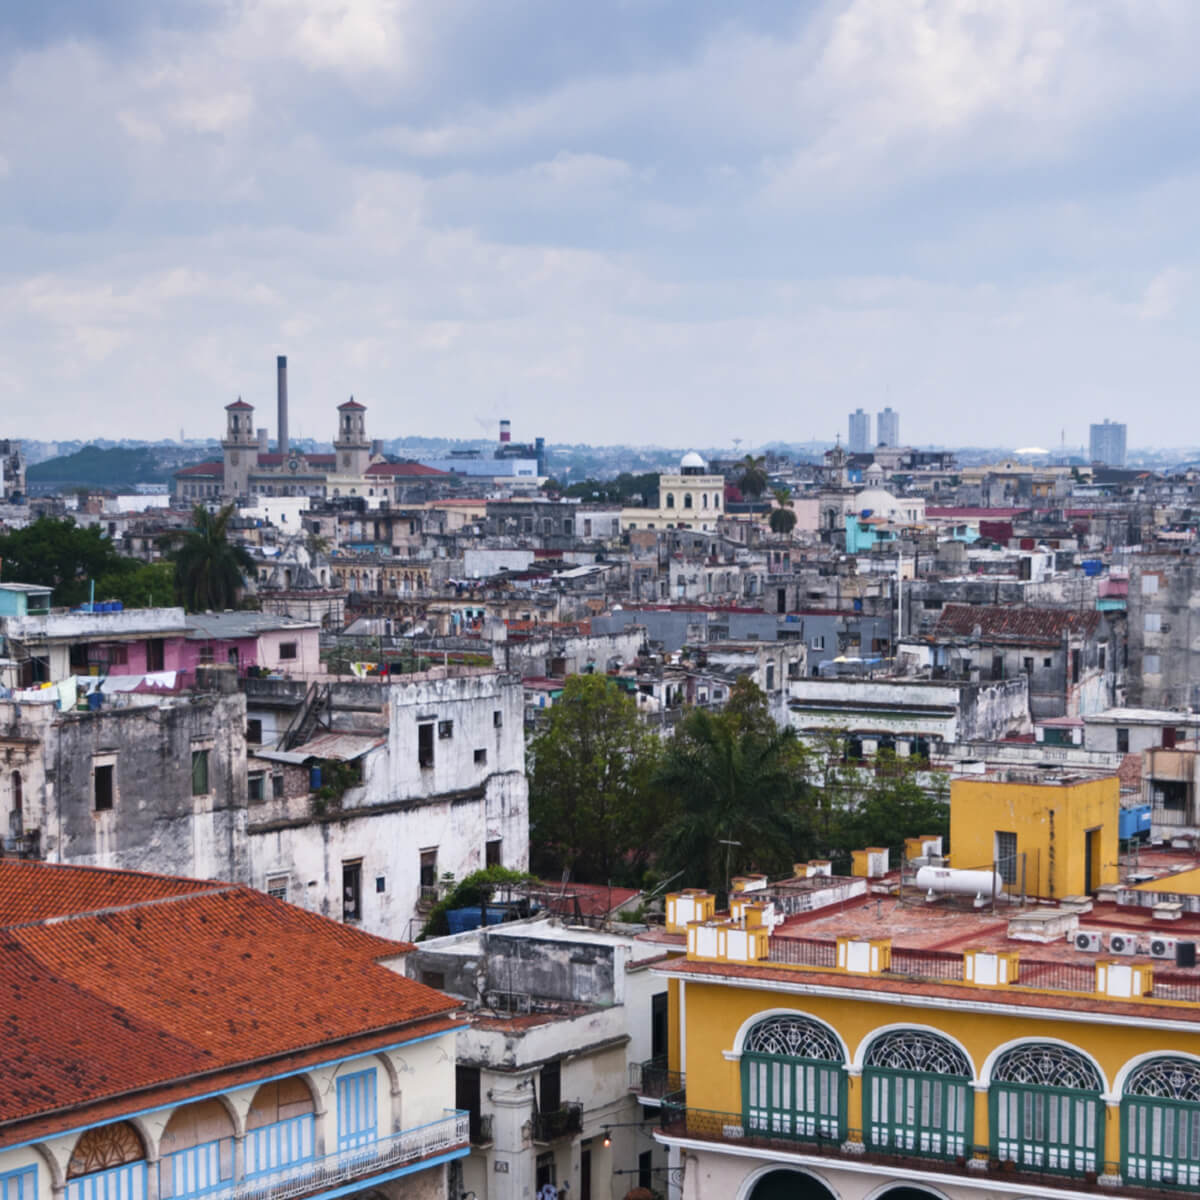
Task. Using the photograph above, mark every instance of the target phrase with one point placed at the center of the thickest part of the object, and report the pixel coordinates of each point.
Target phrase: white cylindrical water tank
(951, 882)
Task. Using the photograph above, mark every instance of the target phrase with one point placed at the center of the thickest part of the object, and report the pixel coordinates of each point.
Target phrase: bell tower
(240, 446)
(351, 446)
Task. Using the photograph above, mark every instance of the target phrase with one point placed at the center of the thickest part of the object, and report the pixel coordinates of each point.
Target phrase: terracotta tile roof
(36, 891)
(404, 468)
(216, 469)
(856, 986)
(173, 980)
(1013, 623)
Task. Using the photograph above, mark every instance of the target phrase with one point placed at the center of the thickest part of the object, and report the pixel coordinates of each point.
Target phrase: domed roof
(691, 460)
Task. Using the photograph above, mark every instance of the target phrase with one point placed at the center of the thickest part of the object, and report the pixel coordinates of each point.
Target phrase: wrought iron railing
(854, 1145)
(562, 1122)
(345, 1166)
(802, 952)
(652, 1079)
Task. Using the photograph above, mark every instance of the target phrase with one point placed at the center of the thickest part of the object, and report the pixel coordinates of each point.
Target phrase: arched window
(794, 1079)
(916, 1095)
(687, 500)
(18, 801)
(670, 499)
(1046, 1110)
(196, 1150)
(279, 1126)
(704, 500)
(109, 1160)
(1160, 1123)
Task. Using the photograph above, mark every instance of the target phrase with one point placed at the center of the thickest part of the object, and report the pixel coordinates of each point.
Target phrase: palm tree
(782, 518)
(209, 569)
(738, 794)
(753, 479)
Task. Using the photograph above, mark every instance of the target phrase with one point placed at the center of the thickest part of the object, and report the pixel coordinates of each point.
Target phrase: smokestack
(281, 393)
(264, 441)
(505, 433)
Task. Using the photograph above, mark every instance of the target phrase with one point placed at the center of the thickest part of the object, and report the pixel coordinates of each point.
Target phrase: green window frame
(917, 1095)
(1160, 1123)
(794, 1080)
(199, 772)
(1046, 1111)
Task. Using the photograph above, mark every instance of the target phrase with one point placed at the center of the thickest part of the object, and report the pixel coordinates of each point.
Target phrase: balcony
(553, 1126)
(651, 1080)
(332, 1172)
(481, 1129)
(21, 845)
(977, 1167)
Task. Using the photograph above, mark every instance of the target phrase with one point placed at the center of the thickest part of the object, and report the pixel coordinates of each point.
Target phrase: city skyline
(980, 221)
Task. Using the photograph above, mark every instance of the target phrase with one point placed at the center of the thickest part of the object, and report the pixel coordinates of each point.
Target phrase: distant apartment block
(887, 428)
(1107, 444)
(860, 432)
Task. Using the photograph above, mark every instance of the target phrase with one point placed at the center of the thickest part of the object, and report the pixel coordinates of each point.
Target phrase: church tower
(241, 448)
(351, 446)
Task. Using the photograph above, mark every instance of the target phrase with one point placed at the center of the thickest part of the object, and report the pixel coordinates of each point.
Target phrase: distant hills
(92, 467)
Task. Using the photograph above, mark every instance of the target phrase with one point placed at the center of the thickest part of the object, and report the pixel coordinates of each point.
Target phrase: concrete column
(674, 1173)
(513, 1153)
(854, 1102)
(239, 1156)
(1112, 1138)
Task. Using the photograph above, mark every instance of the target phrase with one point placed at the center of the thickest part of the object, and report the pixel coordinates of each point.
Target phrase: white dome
(691, 460)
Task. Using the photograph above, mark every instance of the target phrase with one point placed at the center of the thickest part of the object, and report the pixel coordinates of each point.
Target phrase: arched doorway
(794, 1079)
(1160, 1122)
(908, 1193)
(916, 1095)
(1046, 1109)
(789, 1185)
(280, 1126)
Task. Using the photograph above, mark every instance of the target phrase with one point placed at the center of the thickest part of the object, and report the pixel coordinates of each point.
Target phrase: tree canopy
(61, 555)
(210, 570)
(783, 516)
(591, 808)
(737, 788)
(752, 480)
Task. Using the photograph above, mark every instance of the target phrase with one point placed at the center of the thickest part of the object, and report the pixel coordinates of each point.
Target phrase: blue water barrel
(314, 778)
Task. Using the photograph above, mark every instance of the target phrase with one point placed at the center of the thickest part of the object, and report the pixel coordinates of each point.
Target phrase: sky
(678, 222)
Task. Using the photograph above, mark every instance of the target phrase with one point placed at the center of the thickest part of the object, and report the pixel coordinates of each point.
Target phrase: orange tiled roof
(175, 979)
(35, 891)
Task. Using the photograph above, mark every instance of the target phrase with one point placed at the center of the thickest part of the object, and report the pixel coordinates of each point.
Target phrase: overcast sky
(609, 220)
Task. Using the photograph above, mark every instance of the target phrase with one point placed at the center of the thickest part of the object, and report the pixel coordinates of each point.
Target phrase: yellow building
(875, 1049)
(1049, 835)
(691, 499)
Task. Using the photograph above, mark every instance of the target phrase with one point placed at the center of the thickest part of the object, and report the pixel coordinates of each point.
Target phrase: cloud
(602, 217)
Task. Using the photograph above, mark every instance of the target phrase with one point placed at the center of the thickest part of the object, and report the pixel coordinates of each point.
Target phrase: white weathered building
(393, 790)
(563, 1019)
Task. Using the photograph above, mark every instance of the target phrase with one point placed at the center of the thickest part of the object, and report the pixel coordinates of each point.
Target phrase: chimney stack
(505, 433)
(281, 393)
(264, 441)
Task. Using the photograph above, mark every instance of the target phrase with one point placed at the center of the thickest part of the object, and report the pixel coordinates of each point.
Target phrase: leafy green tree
(476, 888)
(210, 570)
(590, 808)
(783, 517)
(138, 584)
(886, 801)
(59, 555)
(753, 478)
(739, 791)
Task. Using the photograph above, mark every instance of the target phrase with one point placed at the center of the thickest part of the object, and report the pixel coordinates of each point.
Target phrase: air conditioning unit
(1091, 942)
(1162, 947)
(1122, 943)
